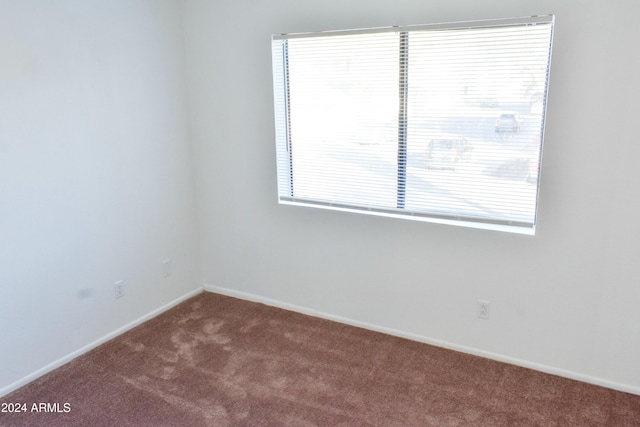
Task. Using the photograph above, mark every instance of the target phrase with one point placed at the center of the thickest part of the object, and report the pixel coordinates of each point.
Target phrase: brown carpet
(220, 361)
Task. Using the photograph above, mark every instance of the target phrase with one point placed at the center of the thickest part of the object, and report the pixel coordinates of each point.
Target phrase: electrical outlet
(166, 267)
(483, 309)
(119, 288)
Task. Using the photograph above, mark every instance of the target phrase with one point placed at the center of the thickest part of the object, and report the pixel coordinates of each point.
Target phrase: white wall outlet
(119, 288)
(166, 268)
(483, 309)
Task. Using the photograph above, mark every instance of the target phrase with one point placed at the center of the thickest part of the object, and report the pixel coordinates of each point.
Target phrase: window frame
(280, 59)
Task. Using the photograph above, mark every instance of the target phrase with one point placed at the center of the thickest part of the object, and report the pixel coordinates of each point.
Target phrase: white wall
(96, 180)
(564, 301)
(96, 186)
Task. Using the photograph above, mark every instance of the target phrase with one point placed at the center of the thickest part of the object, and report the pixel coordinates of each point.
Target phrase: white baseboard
(68, 358)
(627, 388)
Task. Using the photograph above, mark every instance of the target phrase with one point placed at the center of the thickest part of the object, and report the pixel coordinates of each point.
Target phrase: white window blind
(440, 123)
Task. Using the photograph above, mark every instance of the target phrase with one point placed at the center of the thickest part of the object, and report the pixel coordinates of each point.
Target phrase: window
(440, 123)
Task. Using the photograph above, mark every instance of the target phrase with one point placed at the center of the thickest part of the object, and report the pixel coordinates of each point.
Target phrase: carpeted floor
(219, 361)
